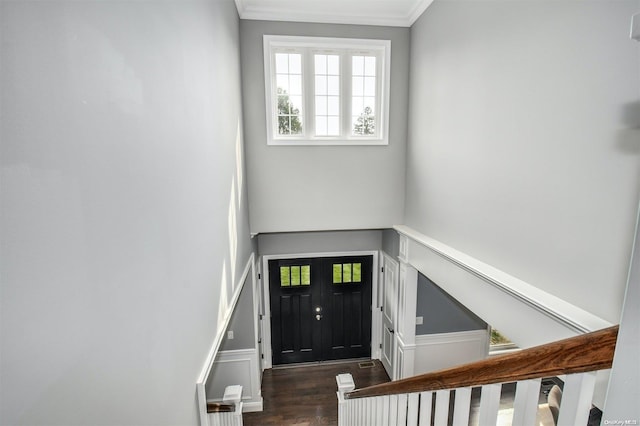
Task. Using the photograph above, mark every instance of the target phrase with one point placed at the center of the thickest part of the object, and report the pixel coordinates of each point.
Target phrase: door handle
(390, 330)
(318, 317)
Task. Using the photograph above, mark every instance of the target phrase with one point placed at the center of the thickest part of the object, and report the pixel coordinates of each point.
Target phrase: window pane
(295, 85)
(370, 65)
(346, 272)
(295, 63)
(282, 63)
(282, 82)
(284, 276)
(284, 105)
(333, 86)
(333, 105)
(357, 66)
(306, 275)
(333, 65)
(295, 275)
(321, 125)
(369, 86)
(357, 86)
(321, 105)
(337, 273)
(296, 104)
(320, 64)
(357, 106)
(333, 126)
(369, 103)
(321, 85)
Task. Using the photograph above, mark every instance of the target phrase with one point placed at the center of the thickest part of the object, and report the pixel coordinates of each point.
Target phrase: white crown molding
(267, 13)
(418, 11)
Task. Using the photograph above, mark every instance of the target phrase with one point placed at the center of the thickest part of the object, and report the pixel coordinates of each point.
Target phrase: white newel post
(345, 384)
(232, 395)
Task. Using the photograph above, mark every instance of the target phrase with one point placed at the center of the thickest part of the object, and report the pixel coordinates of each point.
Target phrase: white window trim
(383, 51)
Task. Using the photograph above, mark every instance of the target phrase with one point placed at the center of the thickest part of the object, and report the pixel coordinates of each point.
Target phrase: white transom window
(326, 91)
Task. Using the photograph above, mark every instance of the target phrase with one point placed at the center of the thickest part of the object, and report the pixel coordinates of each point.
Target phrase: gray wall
(391, 243)
(311, 188)
(242, 322)
(319, 242)
(124, 222)
(523, 140)
(441, 313)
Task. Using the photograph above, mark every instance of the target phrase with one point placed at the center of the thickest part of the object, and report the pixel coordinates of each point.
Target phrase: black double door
(320, 308)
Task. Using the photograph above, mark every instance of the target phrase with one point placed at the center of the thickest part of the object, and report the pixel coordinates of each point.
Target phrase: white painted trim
(418, 11)
(453, 337)
(560, 310)
(345, 48)
(268, 354)
(217, 341)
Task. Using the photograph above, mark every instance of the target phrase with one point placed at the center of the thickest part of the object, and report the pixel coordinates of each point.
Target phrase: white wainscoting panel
(438, 351)
(238, 367)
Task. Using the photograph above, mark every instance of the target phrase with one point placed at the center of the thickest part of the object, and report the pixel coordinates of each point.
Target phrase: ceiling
(397, 13)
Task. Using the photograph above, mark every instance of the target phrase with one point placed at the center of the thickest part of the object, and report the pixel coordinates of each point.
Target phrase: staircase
(425, 400)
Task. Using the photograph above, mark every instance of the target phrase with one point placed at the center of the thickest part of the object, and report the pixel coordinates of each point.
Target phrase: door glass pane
(337, 273)
(306, 275)
(285, 279)
(357, 272)
(346, 273)
(295, 275)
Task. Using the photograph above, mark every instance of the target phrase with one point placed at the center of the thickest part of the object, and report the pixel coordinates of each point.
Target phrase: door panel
(295, 291)
(389, 296)
(321, 308)
(347, 315)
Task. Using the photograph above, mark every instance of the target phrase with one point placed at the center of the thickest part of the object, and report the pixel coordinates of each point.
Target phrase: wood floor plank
(306, 395)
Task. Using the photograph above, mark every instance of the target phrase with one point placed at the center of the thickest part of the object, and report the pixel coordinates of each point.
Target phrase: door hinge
(380, 345)
(260, 317)
(259, 276)
(381, 308)
(382, 269)
(262, 356)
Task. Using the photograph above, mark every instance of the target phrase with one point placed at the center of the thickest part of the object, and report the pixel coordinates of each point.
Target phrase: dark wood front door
(320, 308)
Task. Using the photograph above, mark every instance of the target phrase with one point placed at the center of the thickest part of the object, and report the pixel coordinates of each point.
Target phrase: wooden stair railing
(577, 357)
(588, 352)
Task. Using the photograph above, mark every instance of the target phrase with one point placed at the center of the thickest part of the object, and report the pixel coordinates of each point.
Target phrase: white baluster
(402, 409)
(426, 400)
(489, 404)
(386, 403)
(462, 407)
(412, 410)
(525, 404)
(576, 399)
(393, 410)
(442, 408)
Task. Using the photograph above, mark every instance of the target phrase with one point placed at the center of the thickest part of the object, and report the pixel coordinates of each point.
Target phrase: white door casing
(388, 295)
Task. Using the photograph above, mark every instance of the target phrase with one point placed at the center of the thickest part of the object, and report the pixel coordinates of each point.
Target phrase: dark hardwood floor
(306, 395)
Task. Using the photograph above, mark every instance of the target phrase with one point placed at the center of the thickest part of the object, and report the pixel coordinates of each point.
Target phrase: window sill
(327, 142)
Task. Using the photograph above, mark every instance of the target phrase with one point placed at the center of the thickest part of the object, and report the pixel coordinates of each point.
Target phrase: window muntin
(344, 92)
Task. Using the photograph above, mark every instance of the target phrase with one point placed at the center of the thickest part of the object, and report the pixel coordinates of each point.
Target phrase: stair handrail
(587, 352)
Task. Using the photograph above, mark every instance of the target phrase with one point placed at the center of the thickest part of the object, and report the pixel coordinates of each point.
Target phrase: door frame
(267, 362)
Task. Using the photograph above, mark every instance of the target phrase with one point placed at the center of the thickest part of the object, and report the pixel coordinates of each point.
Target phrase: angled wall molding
(570, 316)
